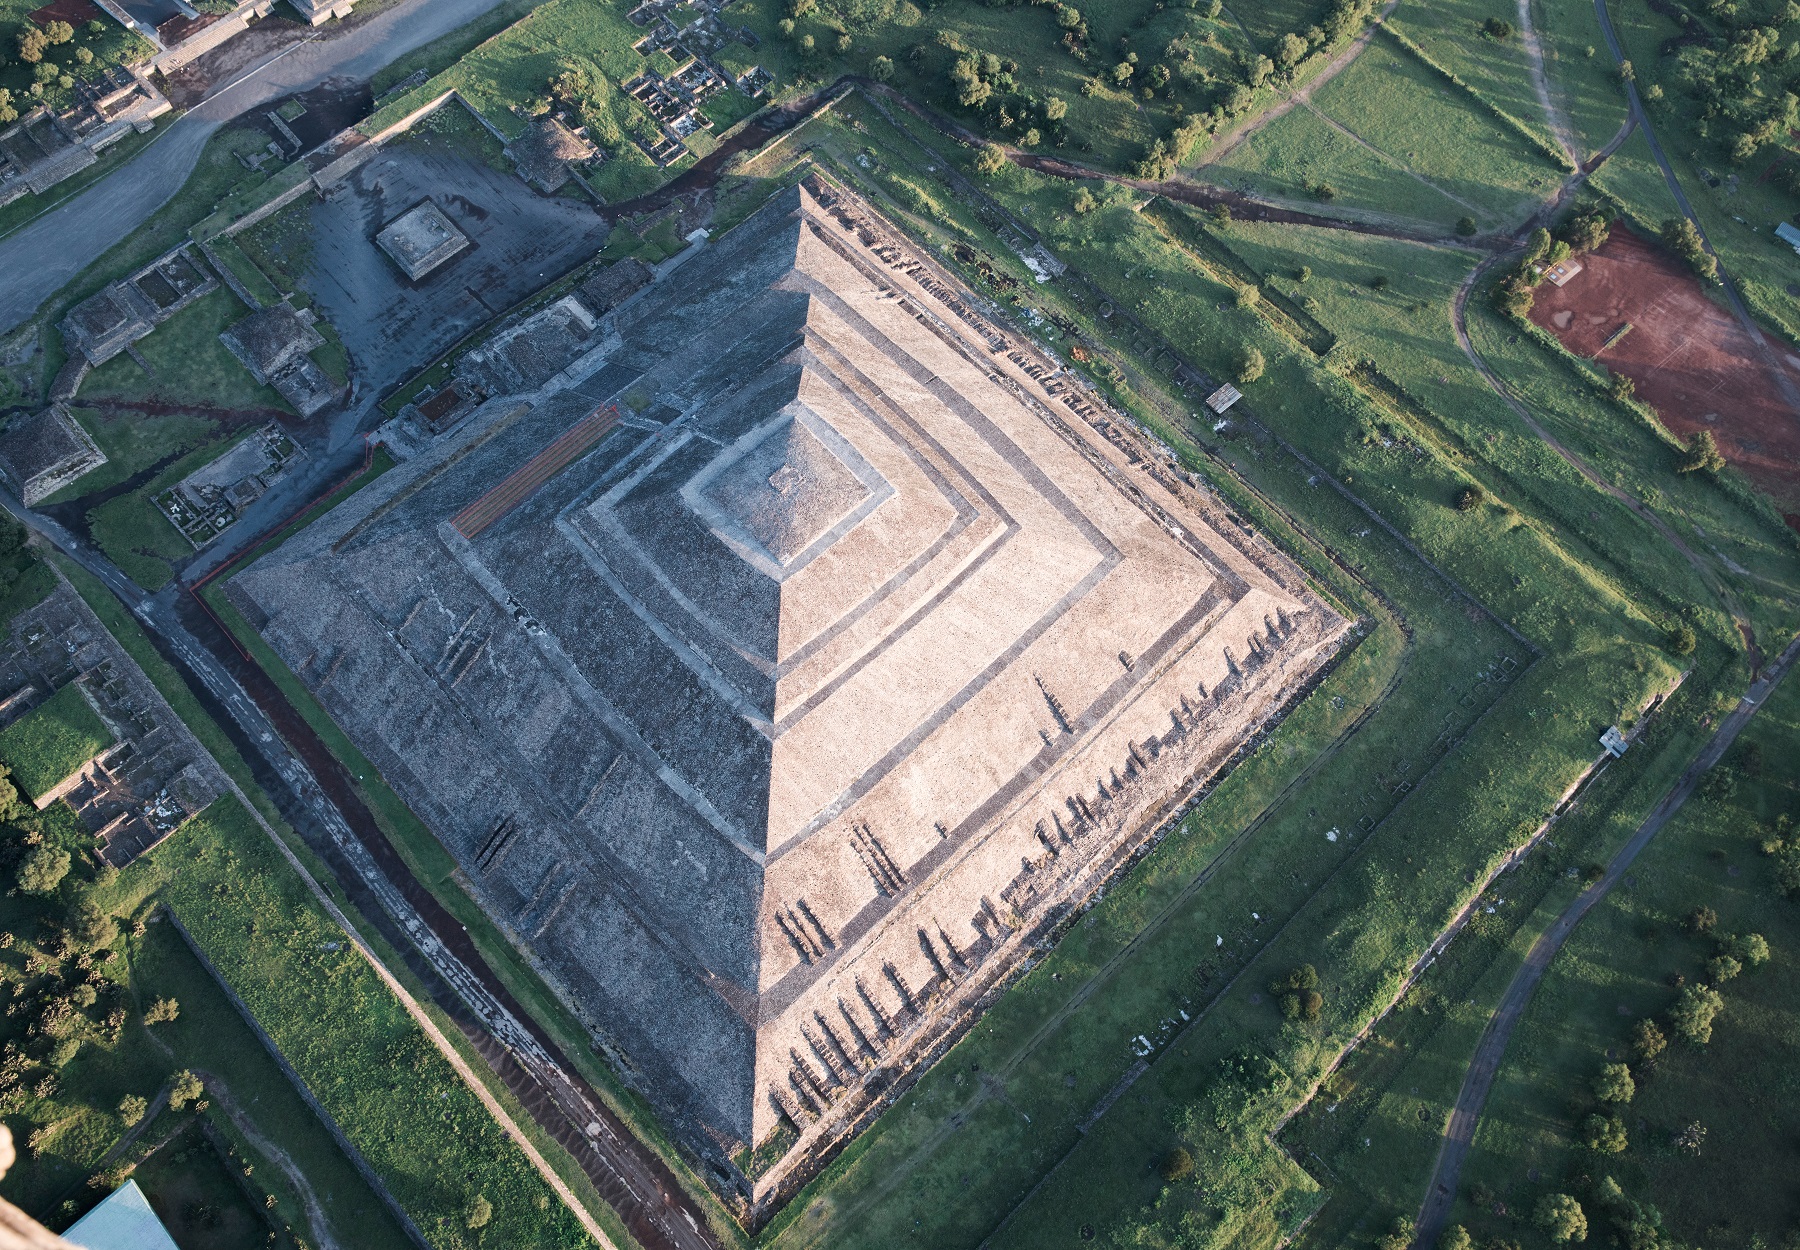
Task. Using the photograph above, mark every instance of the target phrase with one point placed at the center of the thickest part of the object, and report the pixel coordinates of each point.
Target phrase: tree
(7, 112)
(43, 869)
(1750, 949)
(162, 1011)
(1398, 1237)
(1684, 240)
(1085, 201)
(59, 32)
(91, 927)
(481, 1212)
(1691, 1138)
(1250, 367)
(800, 8)
(842, 43)
(1620, 387)
(1466, 226)
(1695, 1009)
(882, 69)
(185, 1088)
(990, 160)
(1497, 30)
(1177, 1165)
(1680, 640)
(132, 1109)
(1647, 1042)
(1470, 498)
(1456, 1237)
(807, 44)
(1562, 1217)
(1055, 108)
(1614, 1084)
(1587, 231)
(1702, 920)
(1537, 246)
(1248, 296)
(32, 43)
(1604, 1134)
(1291, 49)
(1722, 968)
(1702, 453)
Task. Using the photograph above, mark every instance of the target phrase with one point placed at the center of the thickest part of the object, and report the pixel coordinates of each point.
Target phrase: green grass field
(1616, 970)
(190, 367)
(52, 740)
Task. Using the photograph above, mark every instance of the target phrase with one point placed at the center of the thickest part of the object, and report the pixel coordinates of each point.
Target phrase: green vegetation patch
(189, 367)
(1707, 1129)
(42, 64)
(53, 740)
(364, 1058)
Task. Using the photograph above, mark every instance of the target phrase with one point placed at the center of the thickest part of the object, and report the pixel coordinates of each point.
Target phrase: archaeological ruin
(788, 662)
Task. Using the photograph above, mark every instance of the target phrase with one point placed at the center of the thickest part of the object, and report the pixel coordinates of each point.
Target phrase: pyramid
(818, 643)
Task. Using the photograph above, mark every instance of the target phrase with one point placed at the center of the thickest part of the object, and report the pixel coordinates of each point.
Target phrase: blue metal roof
(123, 1222)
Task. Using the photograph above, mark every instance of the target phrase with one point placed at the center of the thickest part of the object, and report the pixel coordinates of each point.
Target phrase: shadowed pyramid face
(785, 491)
(773, 717)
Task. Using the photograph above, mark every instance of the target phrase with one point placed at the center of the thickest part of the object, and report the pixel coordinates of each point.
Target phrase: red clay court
(1690, 359)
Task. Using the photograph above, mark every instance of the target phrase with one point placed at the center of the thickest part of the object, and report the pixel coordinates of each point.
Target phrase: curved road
(1485, 1066)
(40, 258)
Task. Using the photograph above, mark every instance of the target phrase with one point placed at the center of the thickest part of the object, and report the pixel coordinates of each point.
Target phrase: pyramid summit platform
(789, 664)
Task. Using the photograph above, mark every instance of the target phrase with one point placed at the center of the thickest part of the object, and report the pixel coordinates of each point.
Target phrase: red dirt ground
(76, 13)
(1690, 359)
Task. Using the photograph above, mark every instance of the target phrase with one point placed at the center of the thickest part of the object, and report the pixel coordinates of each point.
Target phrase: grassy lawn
(1582, 77)
(1394, 102)
(1617, 969)
(190, 367)
(52, 740)
(1293, 155)
(1497, 70)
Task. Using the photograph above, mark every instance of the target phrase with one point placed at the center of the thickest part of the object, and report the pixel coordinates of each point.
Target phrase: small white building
(1614, 742)
(1788, 235)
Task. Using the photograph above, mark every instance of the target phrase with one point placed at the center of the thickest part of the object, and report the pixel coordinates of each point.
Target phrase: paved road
(1777, 369)
(1492, 1048)
(40, 259)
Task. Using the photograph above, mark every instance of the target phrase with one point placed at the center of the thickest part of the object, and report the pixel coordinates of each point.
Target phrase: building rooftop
(543, 154)
(421, 239)
(122, 1221)
(782, 677)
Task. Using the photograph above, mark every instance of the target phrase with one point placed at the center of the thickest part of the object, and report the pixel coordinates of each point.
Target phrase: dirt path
(1228, 143)
(1491, 1050)
(1553, 116)
(316, 1222)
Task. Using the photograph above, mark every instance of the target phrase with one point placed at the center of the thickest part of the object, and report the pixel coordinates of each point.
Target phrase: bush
(1398, 1237)
(1456, 1237)
(1620, 387)
(1177, 1165)
(1702, 454)
(1562, 1217)
(882, 69)
(1722, 968)
(1248, 296)
(1497, 30)
(132, 1109)
(43, 869)
(1681, 237)
(1749, 949)
(185, 1088)
(990, 160)
(1604, 1134)
(1702, 920)
(1692, 1016)
(1614, 1084)
(1680, 640)
(1470, 498)
(1647, 1042)
(1466, 226)
(481, 1212)
(1250, 366)
(1085, 201)
(162, 1011)
(91, 927)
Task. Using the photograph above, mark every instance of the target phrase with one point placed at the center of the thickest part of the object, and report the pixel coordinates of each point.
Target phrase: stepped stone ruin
(784, 668)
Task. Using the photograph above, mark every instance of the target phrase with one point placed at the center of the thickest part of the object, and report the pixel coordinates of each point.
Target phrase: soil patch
(1688, 357)
(194, 81)
(77, 13)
